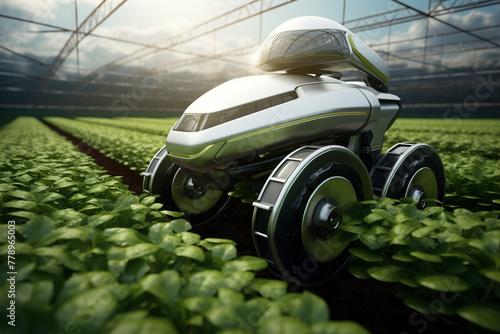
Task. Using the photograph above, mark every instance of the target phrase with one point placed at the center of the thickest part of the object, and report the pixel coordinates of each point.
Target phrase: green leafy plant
(242, 191)
(444, 262)
(469, 150)
(159, 126)
(132, 148)
(91, 257)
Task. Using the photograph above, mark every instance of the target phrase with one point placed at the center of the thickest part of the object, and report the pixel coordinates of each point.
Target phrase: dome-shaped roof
(308, 23)
(314, 45)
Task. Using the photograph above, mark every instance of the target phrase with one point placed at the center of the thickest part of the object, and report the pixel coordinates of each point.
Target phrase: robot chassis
(309, 143)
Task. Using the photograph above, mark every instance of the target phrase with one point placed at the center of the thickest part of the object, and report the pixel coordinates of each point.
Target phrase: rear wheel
(300, 208)
(178, 192)
(200, 204)
(410, 170)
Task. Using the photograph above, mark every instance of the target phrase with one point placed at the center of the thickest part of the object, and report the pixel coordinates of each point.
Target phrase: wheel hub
(326, 219)
(422, 185)
(418, 193)
(322, 217)
(191, 198)
(191, 190)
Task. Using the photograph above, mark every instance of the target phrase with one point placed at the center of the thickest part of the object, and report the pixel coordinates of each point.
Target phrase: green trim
(303, 120)
(190, 156)
(369, 66)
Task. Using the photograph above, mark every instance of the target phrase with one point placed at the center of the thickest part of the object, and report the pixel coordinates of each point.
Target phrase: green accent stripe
(367, 63)
(303, 120)
(190, 156)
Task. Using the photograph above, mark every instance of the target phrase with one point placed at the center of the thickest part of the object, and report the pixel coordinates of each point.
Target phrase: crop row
(449, 126)
(457, 137)
(444, 262)
(129, 147)
(470, 153)
(473, 180)
(158, 126)
(91, 257)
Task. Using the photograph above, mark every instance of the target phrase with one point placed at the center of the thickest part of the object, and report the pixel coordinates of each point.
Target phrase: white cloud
(41, 10)
(411, 41)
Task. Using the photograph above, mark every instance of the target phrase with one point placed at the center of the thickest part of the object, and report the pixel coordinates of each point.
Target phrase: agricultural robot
(308, 142)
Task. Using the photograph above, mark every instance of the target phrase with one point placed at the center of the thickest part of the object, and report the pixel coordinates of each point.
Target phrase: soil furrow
(129, 177)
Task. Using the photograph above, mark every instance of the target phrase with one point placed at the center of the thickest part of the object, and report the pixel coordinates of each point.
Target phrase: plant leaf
(359, 270)
(366, 254)
(37, 228)
(79, 309)
(338, 327)
(204, 283)
(485, 315)
(149, 325)
(283, 325)
(165, 286)
(230, 297)
(222, 317)
(64, 233)
(180, 225)
(61, 255)
(403, 257)
(269, 288)
(307, 306)
(426, 256)
(441, 282)
(192, 252)
(491, 273)
(224, 252)
(190, 238)
(387, 273)
(245, 263)
(20, 204)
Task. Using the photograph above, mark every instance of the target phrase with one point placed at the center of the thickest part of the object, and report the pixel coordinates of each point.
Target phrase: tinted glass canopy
(303, 48)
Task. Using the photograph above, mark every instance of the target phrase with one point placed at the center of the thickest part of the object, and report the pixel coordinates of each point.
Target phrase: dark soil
(129, 177)
(370, 303)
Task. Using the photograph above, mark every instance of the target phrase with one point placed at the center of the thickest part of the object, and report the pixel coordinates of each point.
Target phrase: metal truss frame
(398, 12)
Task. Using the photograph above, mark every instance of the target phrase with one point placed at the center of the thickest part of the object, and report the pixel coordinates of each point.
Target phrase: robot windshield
(303, 48)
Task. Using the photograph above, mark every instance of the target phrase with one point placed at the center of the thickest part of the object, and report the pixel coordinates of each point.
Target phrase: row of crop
(88, 256)
(129, 147)
(449, 126)
(469, 150)
(472, 180)
(464, 137)
(445, 263)
(157, 126)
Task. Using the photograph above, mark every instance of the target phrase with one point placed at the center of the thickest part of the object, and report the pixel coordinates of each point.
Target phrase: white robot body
(257, 114)
(309, 143)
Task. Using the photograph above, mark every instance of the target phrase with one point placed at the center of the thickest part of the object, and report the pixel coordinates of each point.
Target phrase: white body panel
(324, 106)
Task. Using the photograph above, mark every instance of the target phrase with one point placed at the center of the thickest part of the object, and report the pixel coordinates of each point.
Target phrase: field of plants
(82, 254)
(90, 256)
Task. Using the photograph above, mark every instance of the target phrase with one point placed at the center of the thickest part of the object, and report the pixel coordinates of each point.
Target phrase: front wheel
(178, 192)
(300, 208)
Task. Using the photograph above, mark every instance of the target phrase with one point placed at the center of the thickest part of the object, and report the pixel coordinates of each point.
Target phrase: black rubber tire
(283, 247)
(394, 173)
(169, 202)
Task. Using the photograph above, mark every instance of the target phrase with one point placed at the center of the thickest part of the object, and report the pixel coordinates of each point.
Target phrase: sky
(150, 21)
(153, 21)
